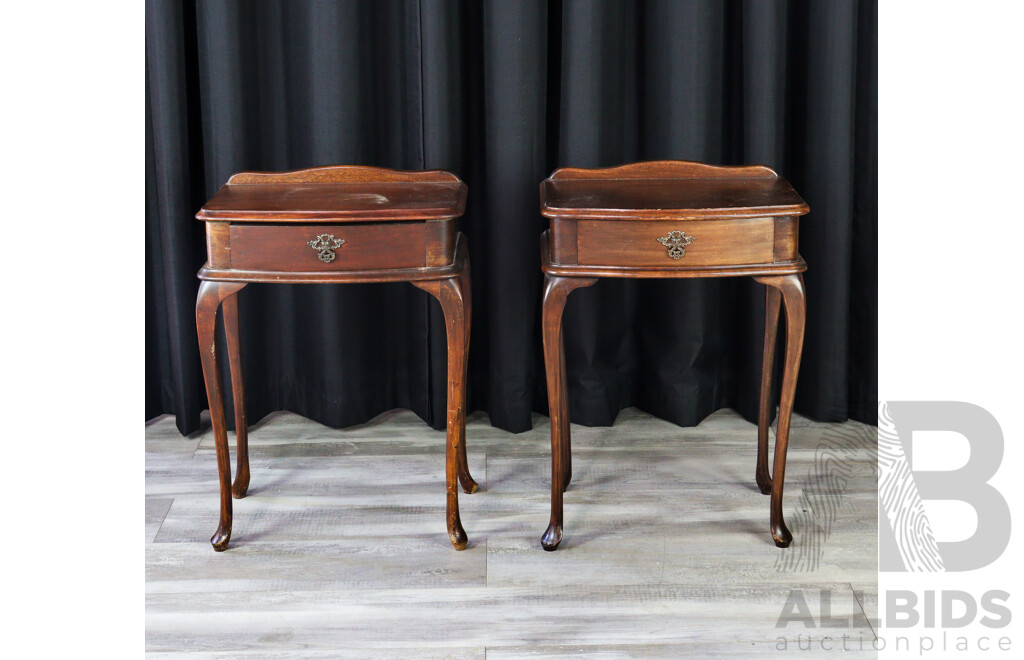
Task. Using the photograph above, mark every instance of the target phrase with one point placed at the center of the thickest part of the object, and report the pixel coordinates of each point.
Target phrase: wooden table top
(668, 190)
(311, 196)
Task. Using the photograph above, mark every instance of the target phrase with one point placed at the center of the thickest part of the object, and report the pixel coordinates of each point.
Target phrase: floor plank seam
(162, 520)
(863, 611)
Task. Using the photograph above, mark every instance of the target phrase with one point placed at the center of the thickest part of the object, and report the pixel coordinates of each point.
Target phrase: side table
(333, 225)
(673, 219)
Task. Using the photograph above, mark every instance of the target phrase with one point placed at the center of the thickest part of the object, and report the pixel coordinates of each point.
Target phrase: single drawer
(671, 243)
(321, 247)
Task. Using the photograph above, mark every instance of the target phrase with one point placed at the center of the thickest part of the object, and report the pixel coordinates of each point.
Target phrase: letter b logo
(906, 539)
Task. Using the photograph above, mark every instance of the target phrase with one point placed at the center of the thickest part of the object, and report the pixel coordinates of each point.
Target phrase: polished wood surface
(772, 302)
(339, 194)
(668, 190)
(664, 169)
(791, 288)
(551, 267)
(675, 219)
(208, 303)
(636, 242)
(229, 307)
(454, 304)
(556, 291)
(360, 174)
(409, 236)
(365, 246)
(326, 276)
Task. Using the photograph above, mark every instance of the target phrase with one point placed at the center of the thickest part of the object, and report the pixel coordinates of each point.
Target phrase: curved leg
(465, 280)
(556, 291)
(564, 429)
(449, 293)
(211, 294)
(773, 298)
(793, 298)
(230, 310)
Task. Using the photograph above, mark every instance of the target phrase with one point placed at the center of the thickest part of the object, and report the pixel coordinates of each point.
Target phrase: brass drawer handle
(676, 242)
(325, 245)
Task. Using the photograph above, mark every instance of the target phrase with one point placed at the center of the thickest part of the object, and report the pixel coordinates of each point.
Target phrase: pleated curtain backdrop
(501, 93)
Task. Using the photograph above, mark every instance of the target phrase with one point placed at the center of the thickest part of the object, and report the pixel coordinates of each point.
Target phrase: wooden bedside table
(333, 225)
(673, 219)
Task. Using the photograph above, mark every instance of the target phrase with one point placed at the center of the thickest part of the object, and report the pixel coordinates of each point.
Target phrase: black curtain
(501, 93)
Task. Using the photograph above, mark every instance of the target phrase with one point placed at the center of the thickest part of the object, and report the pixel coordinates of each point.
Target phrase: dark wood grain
(439, 241)
(564, 241)
(339, 202)
(218, 244)
(665, 169)
(449, 293)
(230, 310)
(772, 301)
(556, 291)
(737, 221)
(345, 174)
(635, 243)
(366, 246)
(550, 267)
(793, 298)
(370, 275)
(383, 226)
(208, 303)
(668, 190)
(787, 235)
(466, 283)
(340, 193)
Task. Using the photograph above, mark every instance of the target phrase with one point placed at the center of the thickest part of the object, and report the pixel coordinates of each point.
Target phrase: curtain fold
(501, 93)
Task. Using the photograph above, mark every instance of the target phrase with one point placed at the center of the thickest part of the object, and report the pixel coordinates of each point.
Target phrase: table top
(668, 190)
(337, 194)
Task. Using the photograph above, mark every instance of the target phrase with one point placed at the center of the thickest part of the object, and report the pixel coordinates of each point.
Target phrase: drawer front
(307, 248)
(680, 244)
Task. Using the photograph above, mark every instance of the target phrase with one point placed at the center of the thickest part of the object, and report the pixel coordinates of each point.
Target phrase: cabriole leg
(794, 301)
(764, 419)
(465, 478)
(449, 293)
(230, 311)
(211, 294)
(556, 291)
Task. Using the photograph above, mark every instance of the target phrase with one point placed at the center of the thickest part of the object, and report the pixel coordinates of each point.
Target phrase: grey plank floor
(340, 549)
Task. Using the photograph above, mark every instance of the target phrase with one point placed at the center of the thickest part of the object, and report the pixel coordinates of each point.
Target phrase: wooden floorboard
(340, 549)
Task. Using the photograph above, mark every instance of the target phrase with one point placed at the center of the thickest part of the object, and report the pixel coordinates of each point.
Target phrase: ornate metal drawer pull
(676, 242)
(325, 245)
